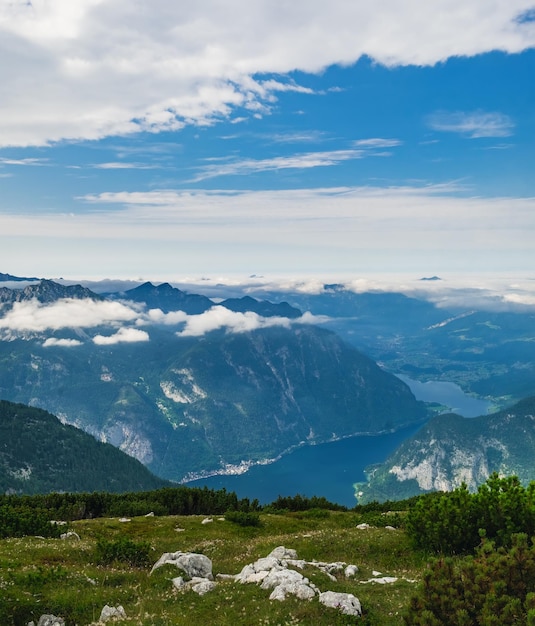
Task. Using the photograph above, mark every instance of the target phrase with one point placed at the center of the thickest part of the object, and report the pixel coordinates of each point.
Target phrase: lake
(331, 469)
(447, 394)
(328, 469)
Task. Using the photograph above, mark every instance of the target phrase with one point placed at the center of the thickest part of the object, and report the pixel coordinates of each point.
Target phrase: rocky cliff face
(450, 450)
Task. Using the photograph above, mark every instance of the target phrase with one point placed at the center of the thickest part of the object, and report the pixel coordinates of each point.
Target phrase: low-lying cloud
(123, 335)
(35, 316)
(64, 343)
(219, 317)
(126, 318)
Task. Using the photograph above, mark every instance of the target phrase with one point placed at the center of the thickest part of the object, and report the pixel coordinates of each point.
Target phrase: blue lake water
(331, 469)
(448, 394)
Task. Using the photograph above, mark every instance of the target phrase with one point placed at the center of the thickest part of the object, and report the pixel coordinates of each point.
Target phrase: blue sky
(279, 139)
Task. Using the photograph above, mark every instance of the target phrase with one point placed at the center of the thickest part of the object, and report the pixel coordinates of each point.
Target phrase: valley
(276, 390)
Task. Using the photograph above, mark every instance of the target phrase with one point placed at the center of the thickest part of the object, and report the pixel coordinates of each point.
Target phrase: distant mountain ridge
(168, 298)
(450, 449)
(39, 454)
(45, 291)
(10, 278)
(185, 405)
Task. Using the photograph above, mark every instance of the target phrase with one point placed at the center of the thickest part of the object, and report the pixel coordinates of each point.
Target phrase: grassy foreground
(64, 577)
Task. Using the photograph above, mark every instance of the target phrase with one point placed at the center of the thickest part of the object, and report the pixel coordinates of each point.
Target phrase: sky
(164, 141)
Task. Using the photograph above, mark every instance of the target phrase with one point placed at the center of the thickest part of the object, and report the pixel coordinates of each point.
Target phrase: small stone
(109, 612)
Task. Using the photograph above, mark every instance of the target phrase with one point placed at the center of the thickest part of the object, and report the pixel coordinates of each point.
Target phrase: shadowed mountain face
(185, 405)
(167, 298)
(39, 454)
(451, 449)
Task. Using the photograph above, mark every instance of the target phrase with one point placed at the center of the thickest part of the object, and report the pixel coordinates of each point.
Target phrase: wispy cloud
(377, 142)
(29, 161)
(311, 136)
(475, 124)
(123, 165)
(297, 161)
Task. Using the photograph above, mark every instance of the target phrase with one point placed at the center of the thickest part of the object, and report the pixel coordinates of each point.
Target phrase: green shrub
(453, 522)
(494, 588)
(122, 550)
(23, 520)
(243, 518)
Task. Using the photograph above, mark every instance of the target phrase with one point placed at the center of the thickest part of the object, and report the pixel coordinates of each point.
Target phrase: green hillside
(39, 454)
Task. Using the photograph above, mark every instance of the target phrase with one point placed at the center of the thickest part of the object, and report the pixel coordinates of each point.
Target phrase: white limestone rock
(283, 553)
(178, 582)
(351, 571)
(70, 535)
(194, 565)
(112, 612)
(49, 620)
(203, 587)
(346, 603)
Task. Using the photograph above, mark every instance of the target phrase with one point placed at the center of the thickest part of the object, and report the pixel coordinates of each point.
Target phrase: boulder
(346, 603)
(283, 553)
(272, 572)
(285, 582)
(194, 565)
(198, 585)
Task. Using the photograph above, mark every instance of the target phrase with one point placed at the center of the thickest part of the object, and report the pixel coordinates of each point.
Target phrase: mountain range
(190, 390)
(193, 386)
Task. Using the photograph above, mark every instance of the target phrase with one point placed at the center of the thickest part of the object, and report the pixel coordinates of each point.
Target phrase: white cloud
(157, 316)
(304, 160)
(123, 335)
(377, 142)
(29, 161)
(94, 68)
(123, 165)
(65, 343)
(296, 161)
(35, 316)
(219, 317)
(474, 124)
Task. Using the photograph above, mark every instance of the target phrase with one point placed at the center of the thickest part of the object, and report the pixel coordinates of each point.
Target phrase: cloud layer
(126, 318)
(345, 230)
(93, 68)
